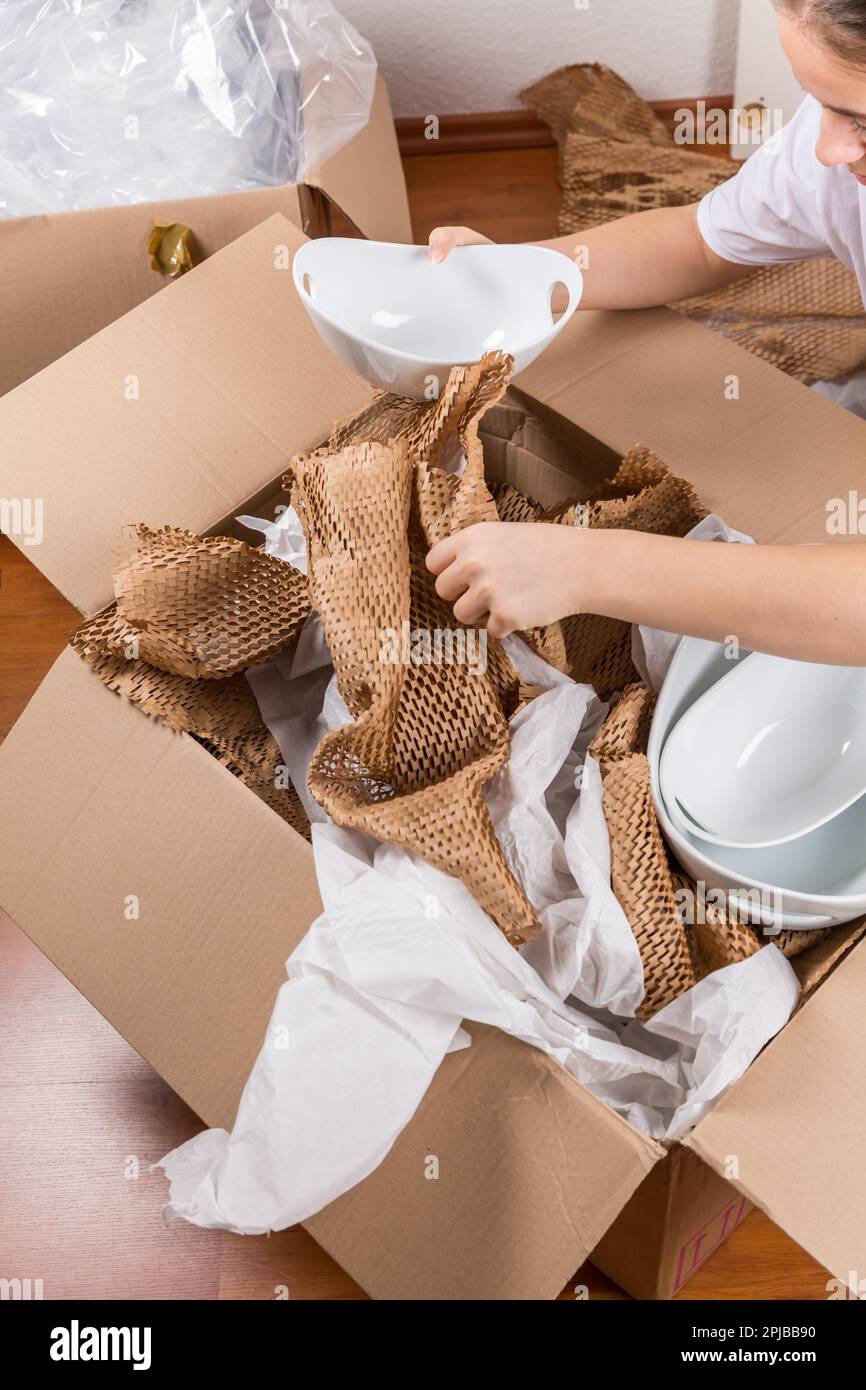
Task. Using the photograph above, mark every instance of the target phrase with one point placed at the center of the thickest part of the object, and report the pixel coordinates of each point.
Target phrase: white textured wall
(443, 56)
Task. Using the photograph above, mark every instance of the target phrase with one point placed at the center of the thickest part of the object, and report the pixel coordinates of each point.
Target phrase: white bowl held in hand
(773, 751)
(402, 322)
(814, 881)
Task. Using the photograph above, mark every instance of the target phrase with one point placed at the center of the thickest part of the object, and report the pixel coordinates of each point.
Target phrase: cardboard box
(98, 802)
(64, 276)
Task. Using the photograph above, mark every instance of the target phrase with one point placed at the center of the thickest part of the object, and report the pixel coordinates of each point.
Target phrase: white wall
(444, 56)
(763, 72)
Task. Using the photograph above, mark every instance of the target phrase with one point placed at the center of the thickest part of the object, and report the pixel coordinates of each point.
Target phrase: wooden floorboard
(82, 1116)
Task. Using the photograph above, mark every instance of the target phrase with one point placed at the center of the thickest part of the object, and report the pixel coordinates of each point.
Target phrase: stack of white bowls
(759, 782)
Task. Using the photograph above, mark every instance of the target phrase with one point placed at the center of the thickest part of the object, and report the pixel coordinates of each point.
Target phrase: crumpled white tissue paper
(402, 954)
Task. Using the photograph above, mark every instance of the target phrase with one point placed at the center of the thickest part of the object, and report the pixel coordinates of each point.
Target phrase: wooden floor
(82, 1116)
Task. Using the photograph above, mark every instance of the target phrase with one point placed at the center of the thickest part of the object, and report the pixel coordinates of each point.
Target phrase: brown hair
(840, 25)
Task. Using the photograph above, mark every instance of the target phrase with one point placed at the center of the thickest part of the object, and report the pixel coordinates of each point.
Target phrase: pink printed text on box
(699, 1247)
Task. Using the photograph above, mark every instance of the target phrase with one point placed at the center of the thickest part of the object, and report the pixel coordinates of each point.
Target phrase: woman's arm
(637, 262)
(651, 258)
(805, 602)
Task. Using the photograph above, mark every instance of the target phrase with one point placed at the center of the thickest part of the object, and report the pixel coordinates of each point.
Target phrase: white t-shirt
(783, 205)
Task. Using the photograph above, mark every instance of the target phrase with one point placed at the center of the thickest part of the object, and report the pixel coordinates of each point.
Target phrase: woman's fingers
(442, 554)
(452, 582)
(461, 580)
(471, 609)
(442, 240)
(500, 625)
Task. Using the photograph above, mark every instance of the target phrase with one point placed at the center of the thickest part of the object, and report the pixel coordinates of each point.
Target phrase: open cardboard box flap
(101, 804)
(790, 1134)
(64, 276)
(768, 460)
(157, 882)
(116, 805)
(178, 412)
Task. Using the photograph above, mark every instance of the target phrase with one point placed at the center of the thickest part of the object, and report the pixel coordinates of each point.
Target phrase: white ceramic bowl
(772, 751)
(817, 880)
(402, 322)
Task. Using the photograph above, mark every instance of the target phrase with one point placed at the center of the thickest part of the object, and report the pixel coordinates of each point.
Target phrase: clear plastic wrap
(123, 101)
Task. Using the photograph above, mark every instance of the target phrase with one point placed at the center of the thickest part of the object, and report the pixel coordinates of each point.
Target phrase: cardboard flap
(365, 178)
(790, 1134)
(171, 897)
(750, 439)
(65, 276)
(162, 884)
(528, 1162)
(175, 414)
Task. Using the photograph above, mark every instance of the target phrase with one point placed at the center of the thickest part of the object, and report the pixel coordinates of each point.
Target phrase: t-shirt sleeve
(768, 212)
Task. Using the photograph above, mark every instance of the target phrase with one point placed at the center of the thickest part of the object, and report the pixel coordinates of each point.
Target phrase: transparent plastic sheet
(123, 101)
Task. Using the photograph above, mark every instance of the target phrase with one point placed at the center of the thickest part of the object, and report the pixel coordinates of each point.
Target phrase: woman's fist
(511, 576)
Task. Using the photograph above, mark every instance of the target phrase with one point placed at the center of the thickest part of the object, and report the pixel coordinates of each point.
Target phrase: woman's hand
(444, 239)
(510, 576)
(804, 602)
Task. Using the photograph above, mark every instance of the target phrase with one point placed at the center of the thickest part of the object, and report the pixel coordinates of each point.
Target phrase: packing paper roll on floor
(402, 954)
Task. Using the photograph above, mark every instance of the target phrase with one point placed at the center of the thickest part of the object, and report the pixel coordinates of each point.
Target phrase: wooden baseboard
(512, 130)
(482, 130)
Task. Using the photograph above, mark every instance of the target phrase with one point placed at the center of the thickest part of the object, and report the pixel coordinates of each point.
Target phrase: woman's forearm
(651, 258)
(804, 602)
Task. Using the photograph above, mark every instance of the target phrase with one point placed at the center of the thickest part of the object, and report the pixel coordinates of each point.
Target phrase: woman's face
(840, 89)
